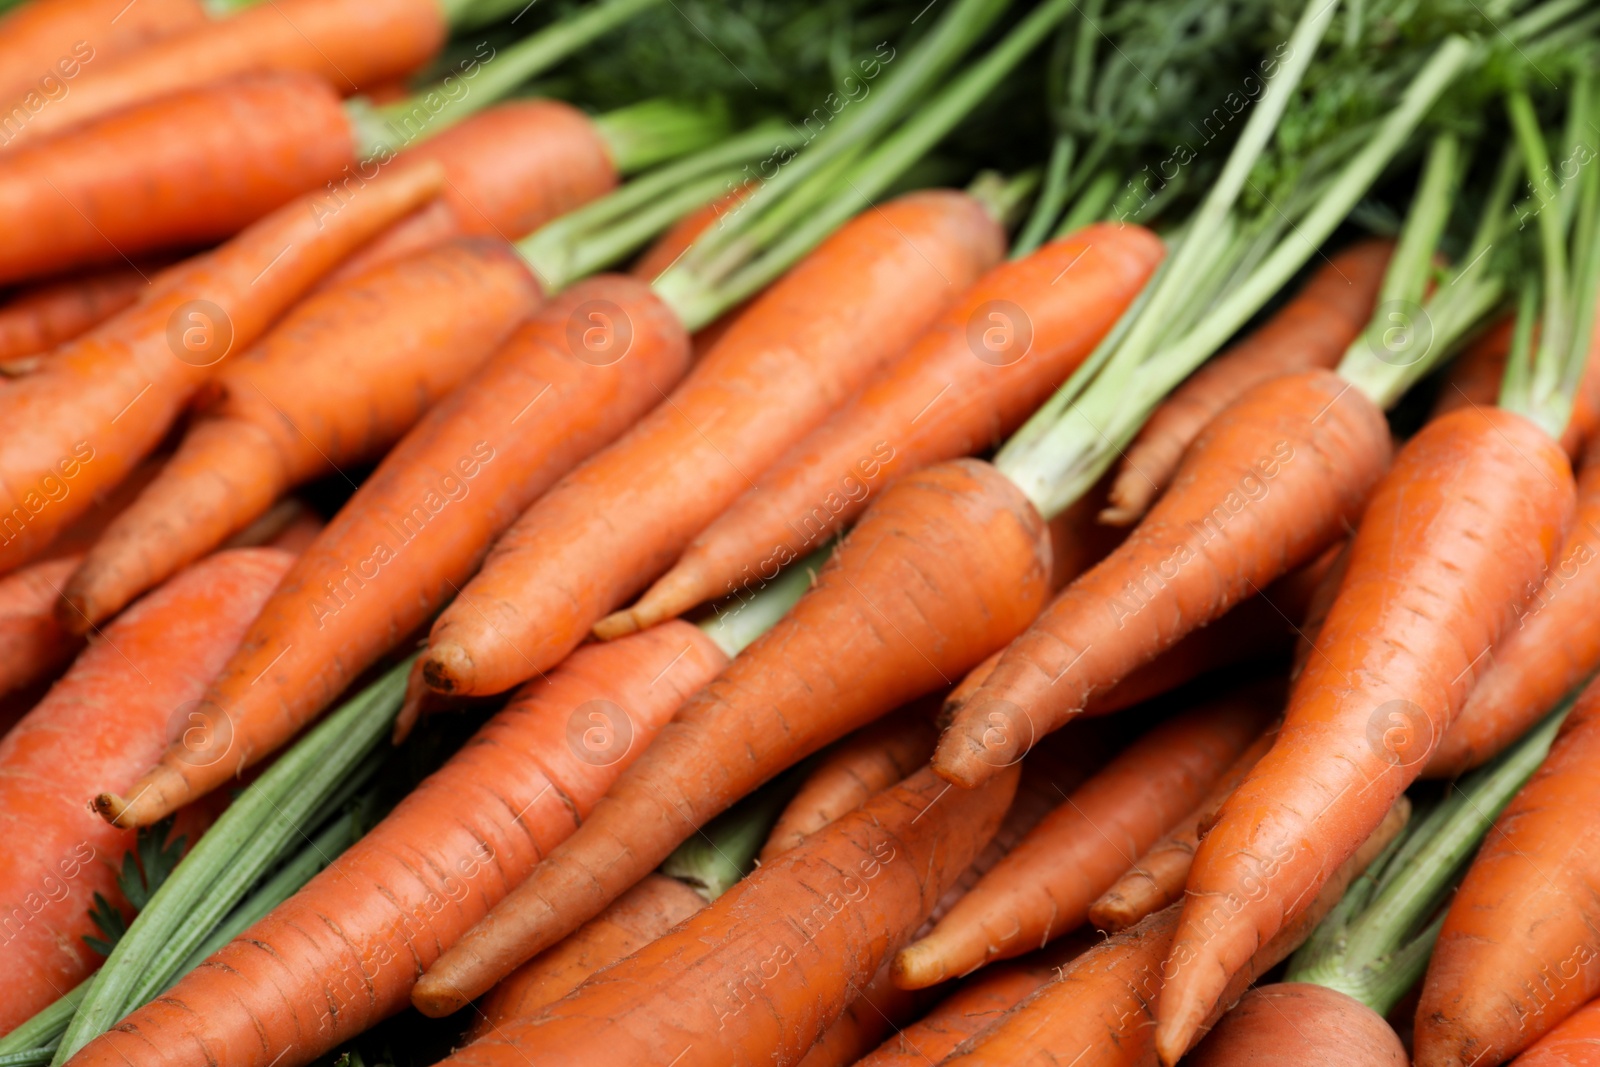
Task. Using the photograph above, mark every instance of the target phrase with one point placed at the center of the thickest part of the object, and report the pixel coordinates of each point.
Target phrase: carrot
(32, 644)
(862, 765)
(101, 404)
(969, 380)
(418, 526)
(1099, 1013)
(1268, 486)
(345, 44)
(1575, 1043)
(45, 44)
(778, 954)
(1300, 1022)
(878, 1007)
(42, 316)
(1473, 378)
(1515, 956)
(850, 307)
(335, 383)
(1469, 515)
(877, 630)
(1553, 647)
(1044, 886)
(115, 709)
(1157, 878)
(342, 953)
(1311, 331)
(670, 246)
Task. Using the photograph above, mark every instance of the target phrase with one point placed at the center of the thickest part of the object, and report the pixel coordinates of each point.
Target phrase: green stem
(44, 1029)
(1003, 197)
(1052, 198)
(1555, 321)
(1091, 203)
(1517, 383)
(745, 616)
(725, 849)
(655, 131)
(217, 9)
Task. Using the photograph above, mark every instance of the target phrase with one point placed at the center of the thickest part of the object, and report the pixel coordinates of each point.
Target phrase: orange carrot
(335, 383)
(971, 379)
(1473, 378)
(346, 44)
(1471, 513)
(32, 644)
(1575, 1043)
(1044, 886)
(949, 564)
(761, 973)
(878, 1007)
(1157, 879)
(83, 421)
(45, 44)
(1268, 487)
(113, 712)
(864, 764)
(343, 952)
(850, 307)
(43, 316)
(1517, 952)
(1312, 330)
(419, 525)
(1553, 647)
(1300, 1022)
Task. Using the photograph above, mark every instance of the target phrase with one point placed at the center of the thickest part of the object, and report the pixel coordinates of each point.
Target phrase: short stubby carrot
(1044, 886)
(178, 172)
(1519, 951)
(758, 975)
(1552, 647)
(1312, 330)
(794, 355)
(949, 564)
(418, 526)
(968, 382)
(33, 645)
(1300, 1022)
(342, 953)
(42, 316)
(1268, 487)
(116, 709)
(1471, 514)
(80, 423)
(44, 44)
(1575, 1043)
(340, 378)
(347, 44)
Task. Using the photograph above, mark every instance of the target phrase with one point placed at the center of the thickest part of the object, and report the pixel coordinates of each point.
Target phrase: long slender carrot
(419, 525)
(1575, 1043)
(38, 39)
(759, 974)
(343, 952)
(32, 644)
(1552, 648)
(116, 708)
(94, 410)
(1270, 484)
(1158, 877)
(851, 306)
(346, 44)
(1300, 1022)
(877, 630)
(862, 765)
(969, 380)
(1312, 330)
(1517, 951)
(42, 316)
(336, 382)
(1044, 886)
(1471, 513)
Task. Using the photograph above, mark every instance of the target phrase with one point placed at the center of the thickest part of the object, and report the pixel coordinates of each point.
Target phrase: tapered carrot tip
(919, 966)
(618, 624)
(447, 668)
(968, 758)
(435, 996)
(155, 795)
(1177, 1031)
(673, 595)
(1131, 496)
(411, 706)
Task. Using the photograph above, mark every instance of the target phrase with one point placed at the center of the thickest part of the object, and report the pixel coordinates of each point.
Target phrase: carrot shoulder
(1300, 1022)
(418, 526)
(849, 307)
(85, 419)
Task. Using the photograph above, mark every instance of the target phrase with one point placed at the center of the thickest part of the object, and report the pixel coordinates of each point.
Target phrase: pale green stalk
(747, 615)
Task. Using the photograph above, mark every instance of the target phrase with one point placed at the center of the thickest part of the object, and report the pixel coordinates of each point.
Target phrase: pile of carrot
(1012, 532)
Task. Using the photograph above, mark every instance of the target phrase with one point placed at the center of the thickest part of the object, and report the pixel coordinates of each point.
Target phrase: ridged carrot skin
(885, 623)
(1298, 1022)
(419, 525)
(513, 167)
(33, 645)
(877, 1008)
(342, 953)
(1270, 484)
(1575, 1043)
(42, 316)
(1044, 886)
(1471, 513)
(125, 184)
(114, 710)
(1553, 646)
(342, 377)
(347, 44)
(37, 39)
(793, 356)
(84, 420)
(1312, 330)
(967, 383)
(761, 973)
(1519, 950)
